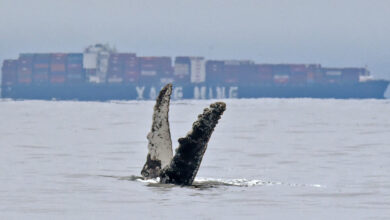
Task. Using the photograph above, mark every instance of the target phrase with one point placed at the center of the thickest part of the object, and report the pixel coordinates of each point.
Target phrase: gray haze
(333, 33)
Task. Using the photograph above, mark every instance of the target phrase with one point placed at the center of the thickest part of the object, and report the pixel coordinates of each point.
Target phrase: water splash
(247, 183)
(230, 182)
(201, 182)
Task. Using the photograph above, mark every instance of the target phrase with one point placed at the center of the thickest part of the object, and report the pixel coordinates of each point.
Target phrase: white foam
(247, 183)
(153, 181)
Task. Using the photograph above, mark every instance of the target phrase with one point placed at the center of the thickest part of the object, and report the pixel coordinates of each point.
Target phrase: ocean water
(267, 159)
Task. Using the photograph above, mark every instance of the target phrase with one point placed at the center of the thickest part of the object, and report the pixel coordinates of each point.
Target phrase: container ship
(101, 73)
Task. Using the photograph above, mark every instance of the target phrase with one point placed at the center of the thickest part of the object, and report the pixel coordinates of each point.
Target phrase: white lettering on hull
(233, 92)
(140, 92)
(152, 93)
(199, 92)
(211, 96)
(220, 92)
(178, 93)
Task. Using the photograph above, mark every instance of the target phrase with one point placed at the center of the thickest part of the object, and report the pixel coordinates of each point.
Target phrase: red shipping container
(57, 67)
(130, 61)
(57, 79)
(58, 62)
(314, 73)
(25, 68)
(24, 75)
(24, 79)
(40, 77)
(74, 69)
(41, 68)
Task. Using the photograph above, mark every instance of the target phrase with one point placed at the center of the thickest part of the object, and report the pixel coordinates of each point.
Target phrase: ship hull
(102, 92)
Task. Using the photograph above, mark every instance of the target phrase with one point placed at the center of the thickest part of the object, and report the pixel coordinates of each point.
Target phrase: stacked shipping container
(74, 66)
(130, 68)
(238, 71)
(182, 69)
(115, 68)
(214, 71)
(41, 68)
(154, 69)
(25, 68)
(58, 68)
(281, 73)
(264, 74)
(127, 68)
(9, 70)
(298, 74)
(122, 68)
(342, 75)
(314, 73)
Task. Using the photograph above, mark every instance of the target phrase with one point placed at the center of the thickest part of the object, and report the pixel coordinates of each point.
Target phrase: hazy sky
(333, 33)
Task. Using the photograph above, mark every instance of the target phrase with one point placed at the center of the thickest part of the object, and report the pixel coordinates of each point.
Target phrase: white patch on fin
(160, 144)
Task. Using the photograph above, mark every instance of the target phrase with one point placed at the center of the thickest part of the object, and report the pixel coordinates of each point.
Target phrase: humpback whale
(182, 167)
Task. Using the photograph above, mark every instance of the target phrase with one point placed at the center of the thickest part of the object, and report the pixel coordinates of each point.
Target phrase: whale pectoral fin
(160, 143)
(185, 164)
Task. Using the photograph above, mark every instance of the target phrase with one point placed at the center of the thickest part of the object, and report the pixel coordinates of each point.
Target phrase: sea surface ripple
(267, 159)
